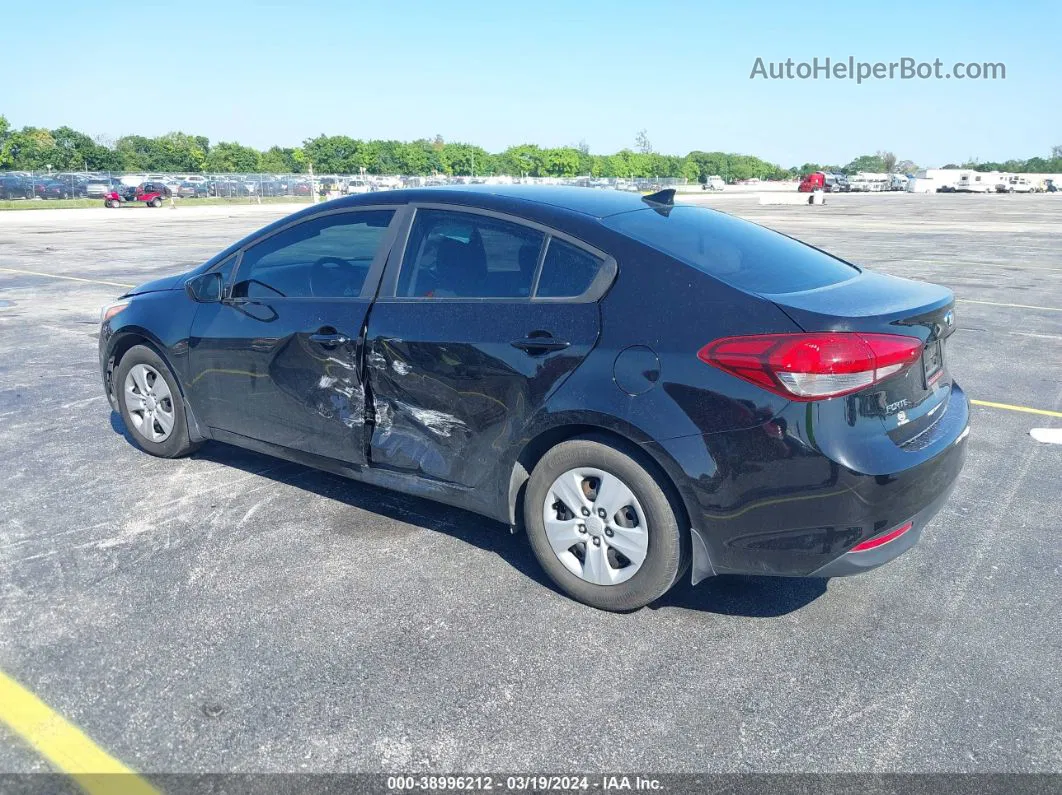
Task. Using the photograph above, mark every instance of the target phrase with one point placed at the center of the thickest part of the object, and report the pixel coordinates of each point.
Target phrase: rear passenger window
(461, 255)
(567, 271)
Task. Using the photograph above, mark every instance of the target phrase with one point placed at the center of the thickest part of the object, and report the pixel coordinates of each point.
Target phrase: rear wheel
(156, 202)
(151, 404)
(603, 527)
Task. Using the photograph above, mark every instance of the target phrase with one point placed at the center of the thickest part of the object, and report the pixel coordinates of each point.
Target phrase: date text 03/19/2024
(516, 783)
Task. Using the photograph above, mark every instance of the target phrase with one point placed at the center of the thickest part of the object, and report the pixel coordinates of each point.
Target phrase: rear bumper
(766, 501)
(858, 562)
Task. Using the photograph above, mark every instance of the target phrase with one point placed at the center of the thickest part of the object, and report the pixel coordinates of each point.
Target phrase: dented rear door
(459, 353)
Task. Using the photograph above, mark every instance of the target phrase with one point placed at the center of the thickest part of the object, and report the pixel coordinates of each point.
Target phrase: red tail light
(873, 543)
(813, 366)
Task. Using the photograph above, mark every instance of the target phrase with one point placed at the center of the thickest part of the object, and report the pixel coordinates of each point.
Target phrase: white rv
(1017, 184)
(977, 182)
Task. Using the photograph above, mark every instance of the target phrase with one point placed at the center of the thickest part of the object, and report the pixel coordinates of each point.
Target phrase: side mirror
(206, 288)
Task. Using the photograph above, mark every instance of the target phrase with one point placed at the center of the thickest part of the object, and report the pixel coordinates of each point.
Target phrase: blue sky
(553, 73)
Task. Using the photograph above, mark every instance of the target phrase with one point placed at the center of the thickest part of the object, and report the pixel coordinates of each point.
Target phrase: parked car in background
(57, 189)
(477, 347)
(14, 186)
(228, 188)
(98, 187)
(192, 190)
(357, 185)
(714, 182)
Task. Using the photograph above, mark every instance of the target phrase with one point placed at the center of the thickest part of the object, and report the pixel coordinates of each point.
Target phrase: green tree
(561, 162)
(278, 160)
(333, 154)
(177, 151)
(518, 161)
(30, 149)
(417, 158)
(5, 127)
(874, 164)
(888, 159)
(232, 157)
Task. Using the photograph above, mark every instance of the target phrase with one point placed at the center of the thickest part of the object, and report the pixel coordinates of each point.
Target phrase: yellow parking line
(69, 278)
(1012, 306)
(64, 745)
(1009, 407)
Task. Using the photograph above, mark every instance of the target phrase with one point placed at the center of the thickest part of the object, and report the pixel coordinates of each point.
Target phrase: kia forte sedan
(646, 388)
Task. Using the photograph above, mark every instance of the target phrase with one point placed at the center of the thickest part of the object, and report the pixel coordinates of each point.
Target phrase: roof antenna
(662, 201)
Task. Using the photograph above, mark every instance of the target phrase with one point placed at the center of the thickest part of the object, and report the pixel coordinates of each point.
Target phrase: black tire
(156, 202)
(177, 444)
(668, 542)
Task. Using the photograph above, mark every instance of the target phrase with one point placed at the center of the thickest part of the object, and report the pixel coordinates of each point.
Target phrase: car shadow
(749, 597)
(729, 595)
(119, 427)
(479, 531)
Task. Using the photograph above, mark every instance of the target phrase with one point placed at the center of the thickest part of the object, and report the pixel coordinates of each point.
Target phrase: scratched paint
(436, 422)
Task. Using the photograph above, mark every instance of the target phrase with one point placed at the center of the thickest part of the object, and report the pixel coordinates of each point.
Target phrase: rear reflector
(813, 366)
(874, 543)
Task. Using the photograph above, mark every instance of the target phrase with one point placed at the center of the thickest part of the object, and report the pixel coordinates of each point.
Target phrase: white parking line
(1047, 435)
(69, 278)
(1024, 266)
(1012, 306)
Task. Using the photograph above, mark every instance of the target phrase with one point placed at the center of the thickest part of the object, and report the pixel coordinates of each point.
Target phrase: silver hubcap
(149, 403)
(596, 526)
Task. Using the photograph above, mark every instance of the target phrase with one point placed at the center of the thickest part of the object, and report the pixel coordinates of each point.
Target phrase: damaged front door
(279, 359)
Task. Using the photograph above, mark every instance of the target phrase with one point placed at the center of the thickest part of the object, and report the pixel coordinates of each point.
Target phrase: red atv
(151, 193)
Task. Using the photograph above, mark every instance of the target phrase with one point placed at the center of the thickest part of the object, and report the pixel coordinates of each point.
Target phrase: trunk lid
(910, 402)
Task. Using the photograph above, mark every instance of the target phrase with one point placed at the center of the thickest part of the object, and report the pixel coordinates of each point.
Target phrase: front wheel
(151, 405)
(156, 202)
(603, 527)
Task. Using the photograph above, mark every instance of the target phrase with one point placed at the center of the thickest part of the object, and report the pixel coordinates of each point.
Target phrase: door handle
(329, 339)
(540, 344)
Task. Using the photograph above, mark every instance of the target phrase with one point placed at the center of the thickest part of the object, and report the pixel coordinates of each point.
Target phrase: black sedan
(644, 387)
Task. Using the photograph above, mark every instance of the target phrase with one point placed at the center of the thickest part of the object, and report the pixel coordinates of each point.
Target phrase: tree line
(66, 149)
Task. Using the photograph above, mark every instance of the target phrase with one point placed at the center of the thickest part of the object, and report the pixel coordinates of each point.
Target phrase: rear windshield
(737, 252)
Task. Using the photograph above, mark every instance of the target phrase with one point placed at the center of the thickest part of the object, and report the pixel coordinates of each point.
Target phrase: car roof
(585, 201)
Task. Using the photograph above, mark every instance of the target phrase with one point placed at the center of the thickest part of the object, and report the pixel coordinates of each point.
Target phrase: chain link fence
(38, 185)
